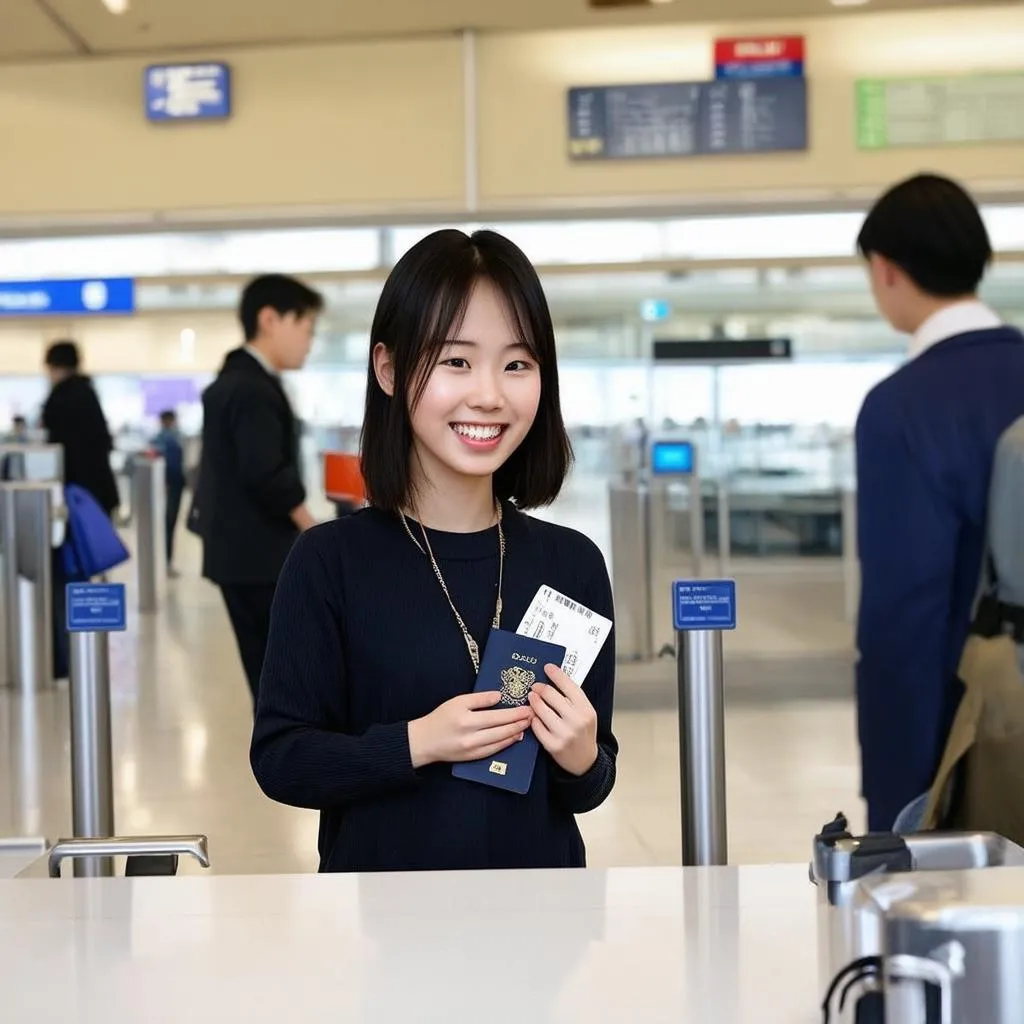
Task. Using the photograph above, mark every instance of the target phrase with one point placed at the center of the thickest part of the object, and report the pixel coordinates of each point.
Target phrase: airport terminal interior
(707, 298)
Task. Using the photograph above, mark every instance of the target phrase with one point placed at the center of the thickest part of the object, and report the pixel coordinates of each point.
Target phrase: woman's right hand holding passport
(464, 729)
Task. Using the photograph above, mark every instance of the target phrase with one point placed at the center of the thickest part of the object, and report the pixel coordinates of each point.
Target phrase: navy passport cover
(511, 664)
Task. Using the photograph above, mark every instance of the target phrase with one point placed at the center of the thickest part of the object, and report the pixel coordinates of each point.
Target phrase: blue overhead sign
(96, 608)
(704, 604)
(188, 92)
(81, 297)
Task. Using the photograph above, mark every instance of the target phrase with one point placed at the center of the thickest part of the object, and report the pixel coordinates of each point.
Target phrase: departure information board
(939, 111)
(680, 119)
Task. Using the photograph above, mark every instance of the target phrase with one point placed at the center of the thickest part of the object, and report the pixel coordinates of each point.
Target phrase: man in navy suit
(926, 438)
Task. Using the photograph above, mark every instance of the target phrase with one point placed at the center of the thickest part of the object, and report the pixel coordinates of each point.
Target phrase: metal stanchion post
(724, 530)
(8, 588)
(25, 463)
(27, 518)
(696, 505)
(702, 609)
(630, 513)
(851, 566)
(148, 509)
(93, 611)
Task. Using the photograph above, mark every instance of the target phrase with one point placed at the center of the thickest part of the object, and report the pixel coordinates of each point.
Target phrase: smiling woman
(463, 329)
(368, 696)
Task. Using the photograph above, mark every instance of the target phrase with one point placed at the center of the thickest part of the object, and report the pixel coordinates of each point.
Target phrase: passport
(511, 664)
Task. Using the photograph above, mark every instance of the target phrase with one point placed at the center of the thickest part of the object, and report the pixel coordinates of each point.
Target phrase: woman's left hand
(565, 722)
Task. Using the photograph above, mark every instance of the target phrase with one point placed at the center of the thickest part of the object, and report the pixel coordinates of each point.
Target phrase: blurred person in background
(19, 431)
(73, 418)
(926, 440)
(168, 443)
(250, 502)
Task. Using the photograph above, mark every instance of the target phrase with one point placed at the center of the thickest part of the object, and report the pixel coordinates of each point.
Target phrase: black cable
(862, 968)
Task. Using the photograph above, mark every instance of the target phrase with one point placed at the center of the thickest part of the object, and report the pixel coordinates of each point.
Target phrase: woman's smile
(479, 436)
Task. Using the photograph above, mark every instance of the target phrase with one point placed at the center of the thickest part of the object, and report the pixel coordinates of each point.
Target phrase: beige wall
(377, 127)
(357, 125)
(523, 128)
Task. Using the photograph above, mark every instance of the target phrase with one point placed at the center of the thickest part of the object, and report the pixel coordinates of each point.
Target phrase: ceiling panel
(26, 30)
(154, 25)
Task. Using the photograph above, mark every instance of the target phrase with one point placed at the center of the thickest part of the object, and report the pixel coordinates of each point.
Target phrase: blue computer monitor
(672, 458)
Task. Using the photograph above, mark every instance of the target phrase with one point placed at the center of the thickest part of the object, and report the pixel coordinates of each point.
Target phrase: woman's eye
(457, 362)
(518, 364)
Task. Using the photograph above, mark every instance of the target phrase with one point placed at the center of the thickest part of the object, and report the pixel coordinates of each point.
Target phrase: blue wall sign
(96, 608)
(188, 92)
(672, 458)
(83, 297)
(704, 604)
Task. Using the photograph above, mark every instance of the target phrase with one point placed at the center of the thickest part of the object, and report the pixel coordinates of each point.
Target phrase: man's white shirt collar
(262, 360)
(959, 318)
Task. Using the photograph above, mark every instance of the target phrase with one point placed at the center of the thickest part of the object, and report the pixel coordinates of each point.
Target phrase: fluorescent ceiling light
(116, 6)
(849, 3)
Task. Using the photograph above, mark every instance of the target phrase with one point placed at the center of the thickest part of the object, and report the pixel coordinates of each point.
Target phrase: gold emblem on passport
(498, 768)
(515, 684)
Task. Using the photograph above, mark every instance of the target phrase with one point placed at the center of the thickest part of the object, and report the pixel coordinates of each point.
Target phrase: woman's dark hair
(931, 229)
(421, 307)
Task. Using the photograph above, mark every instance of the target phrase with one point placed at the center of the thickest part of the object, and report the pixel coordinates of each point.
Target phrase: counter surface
(707, 946)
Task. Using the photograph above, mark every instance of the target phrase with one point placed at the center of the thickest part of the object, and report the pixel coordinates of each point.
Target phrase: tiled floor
(182, 719)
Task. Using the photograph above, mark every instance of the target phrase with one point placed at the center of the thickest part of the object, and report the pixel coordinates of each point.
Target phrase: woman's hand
(462, 729)
(565, 722)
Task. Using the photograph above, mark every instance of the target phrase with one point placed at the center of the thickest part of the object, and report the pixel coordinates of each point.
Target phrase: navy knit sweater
(362, 641)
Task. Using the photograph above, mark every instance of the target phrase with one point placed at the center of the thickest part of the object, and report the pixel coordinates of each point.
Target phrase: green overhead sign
(939, 111)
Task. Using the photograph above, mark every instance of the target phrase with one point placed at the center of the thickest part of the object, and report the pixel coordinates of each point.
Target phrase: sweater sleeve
(582, 793)
(301, 753)
(907, 539)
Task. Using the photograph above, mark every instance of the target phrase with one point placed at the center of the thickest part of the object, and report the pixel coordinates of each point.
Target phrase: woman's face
(481, 397)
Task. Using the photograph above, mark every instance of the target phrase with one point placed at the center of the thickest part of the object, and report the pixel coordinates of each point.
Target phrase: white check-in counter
(707, 946)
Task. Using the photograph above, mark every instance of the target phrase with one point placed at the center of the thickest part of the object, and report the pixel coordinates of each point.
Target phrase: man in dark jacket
(250, 497)
(73, 418)
(926, 439)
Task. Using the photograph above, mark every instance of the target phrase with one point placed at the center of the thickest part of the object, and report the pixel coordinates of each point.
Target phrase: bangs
(449, 311)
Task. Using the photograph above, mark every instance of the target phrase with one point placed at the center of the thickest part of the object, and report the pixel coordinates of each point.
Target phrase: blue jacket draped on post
(926, 437)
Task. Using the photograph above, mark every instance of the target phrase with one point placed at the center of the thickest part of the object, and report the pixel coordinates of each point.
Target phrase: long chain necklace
(471, 645)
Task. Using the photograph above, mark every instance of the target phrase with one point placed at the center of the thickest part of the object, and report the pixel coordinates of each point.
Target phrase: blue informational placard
(96, 608)
(96, 296)
(704, 604)
(672, 458)
(188, 92)
(679, 119)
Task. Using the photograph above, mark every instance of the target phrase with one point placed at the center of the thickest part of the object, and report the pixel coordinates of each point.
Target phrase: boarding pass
(560, 620)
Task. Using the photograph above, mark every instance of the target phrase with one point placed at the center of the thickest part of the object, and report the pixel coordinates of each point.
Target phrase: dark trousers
(248, 608)
(61, 645)
(174, 494)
